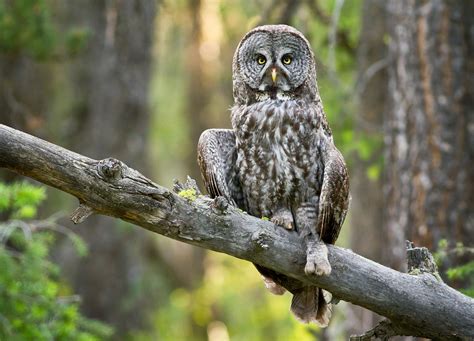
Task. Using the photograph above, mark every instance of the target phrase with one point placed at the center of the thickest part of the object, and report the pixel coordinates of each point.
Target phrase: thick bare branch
(417, 305)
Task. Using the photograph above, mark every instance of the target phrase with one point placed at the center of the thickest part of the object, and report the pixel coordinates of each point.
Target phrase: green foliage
(337, 81)
(26, 27)
(463, 272)
(34, 304)
(20, 200)
(336, 68)
(76, 40)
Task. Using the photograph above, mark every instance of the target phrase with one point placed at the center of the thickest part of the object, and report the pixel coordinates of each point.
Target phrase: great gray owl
(279, 160)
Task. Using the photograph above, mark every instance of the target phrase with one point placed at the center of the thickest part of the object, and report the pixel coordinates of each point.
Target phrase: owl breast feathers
(279, 160)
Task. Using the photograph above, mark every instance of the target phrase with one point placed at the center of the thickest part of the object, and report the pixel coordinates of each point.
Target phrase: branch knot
(110, 169)
(261, 239)
(420, 261)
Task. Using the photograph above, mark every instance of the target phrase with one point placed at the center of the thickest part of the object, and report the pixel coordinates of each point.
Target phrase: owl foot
(317, 260)
(274, 288)
(283, 218)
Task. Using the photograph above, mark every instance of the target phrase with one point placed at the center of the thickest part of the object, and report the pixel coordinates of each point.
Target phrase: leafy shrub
(34, 302)
(464, 271)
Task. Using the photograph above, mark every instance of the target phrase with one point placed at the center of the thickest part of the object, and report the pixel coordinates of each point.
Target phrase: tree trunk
(367, 195)
(429, 124)
(21, 107)
(110, 117)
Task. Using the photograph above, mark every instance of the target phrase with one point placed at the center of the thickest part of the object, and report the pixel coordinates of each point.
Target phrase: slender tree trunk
(367, 194)
(429, 124)
(199, 90)
(21, 107)
(109, 117)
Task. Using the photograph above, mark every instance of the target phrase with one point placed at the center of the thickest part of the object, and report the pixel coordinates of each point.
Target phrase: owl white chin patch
(280, 95)
(284, 96)
(262, 96)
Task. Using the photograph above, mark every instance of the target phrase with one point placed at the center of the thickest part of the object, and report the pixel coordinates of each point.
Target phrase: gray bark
(367, 206)
(429, 124)
(418, 305)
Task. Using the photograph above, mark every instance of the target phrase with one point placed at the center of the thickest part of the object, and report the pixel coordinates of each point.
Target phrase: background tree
(108, 115)
(25, 48)
(87, 88)
(429, 144)
(428, 103)
(366, 179)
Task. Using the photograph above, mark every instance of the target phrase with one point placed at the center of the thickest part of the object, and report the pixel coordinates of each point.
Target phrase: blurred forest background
(139, 80)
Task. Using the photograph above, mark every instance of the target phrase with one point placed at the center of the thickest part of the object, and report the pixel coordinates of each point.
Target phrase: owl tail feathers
(310, 305)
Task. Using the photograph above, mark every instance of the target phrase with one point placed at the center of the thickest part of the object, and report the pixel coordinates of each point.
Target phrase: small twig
(81, 213)
(190, 183)
(342, 35)
(332, 35)
(6, 229)
(370, 72)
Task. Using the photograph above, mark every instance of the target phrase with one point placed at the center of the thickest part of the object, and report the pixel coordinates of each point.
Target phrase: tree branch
(342, 35)
(417, 305)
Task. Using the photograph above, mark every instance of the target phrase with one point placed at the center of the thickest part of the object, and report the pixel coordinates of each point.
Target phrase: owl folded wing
(217, 158)
(334, 199)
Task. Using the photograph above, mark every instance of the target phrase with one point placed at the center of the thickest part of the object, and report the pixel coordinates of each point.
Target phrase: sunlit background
(140, 80)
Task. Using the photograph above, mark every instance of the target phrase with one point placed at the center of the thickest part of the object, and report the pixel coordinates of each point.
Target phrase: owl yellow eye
(286, 59)
(261, 60)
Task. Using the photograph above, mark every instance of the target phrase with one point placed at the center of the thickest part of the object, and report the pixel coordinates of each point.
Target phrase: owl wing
(217, 158)
(334, 199)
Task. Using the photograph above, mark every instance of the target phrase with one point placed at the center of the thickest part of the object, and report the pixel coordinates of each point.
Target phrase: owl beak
(274, 75)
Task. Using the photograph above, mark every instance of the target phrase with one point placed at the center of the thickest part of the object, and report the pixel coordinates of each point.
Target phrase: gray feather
(279, 160)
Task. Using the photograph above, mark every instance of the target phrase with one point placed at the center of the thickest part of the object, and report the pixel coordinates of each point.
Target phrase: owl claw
(283, 219)
(286, 224)
(319, 267)
(317, 261)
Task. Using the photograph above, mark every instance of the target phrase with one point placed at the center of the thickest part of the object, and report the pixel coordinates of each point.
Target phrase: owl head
(273, 61)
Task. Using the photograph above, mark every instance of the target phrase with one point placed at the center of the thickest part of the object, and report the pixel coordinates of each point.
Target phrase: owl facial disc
(273, 62)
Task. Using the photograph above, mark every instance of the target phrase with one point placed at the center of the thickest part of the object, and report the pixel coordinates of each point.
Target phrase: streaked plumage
(279, 160)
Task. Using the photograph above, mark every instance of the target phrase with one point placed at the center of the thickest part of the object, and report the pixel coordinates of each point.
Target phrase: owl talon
(283, 219)
(317, 261)
(317, 267)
